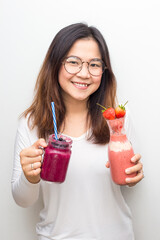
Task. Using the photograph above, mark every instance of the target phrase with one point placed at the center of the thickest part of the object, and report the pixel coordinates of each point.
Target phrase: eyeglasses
(73, 65)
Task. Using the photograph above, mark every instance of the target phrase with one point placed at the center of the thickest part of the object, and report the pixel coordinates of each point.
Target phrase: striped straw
(54, 120)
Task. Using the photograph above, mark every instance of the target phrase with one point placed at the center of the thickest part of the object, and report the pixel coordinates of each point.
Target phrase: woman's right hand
(31, 159)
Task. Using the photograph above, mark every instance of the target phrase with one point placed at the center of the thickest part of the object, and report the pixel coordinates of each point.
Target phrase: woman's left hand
(138, 168)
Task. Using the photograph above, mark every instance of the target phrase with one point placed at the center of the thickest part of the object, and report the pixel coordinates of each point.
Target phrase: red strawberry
(120, 111)
(108, 113)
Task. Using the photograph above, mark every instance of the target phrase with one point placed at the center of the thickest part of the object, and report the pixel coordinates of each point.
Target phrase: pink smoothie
(56, 160)
(120, 153)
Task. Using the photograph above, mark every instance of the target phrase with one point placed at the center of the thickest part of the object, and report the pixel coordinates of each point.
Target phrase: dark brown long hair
(47, 87)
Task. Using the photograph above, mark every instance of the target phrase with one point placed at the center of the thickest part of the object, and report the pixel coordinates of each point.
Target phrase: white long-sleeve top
(88, 205)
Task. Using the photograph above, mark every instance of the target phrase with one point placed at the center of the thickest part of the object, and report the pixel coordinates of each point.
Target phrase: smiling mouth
(83, 85)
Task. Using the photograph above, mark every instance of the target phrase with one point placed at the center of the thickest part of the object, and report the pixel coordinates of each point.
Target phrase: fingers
(134, 169)
(31, 159)
(31, 152)
(35, 149)
(138, 165)
(134, 180)
(108, 164)
(137, 168)
(40, 143)
(34, 169)
(136, 158)
(33, 164)
(34, 175)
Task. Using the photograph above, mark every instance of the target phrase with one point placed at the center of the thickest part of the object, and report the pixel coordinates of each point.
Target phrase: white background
(131, 30)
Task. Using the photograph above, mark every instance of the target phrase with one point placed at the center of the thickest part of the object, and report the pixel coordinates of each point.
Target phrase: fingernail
(128, 180)
(42, 140)
(127, 171)
(133, 159)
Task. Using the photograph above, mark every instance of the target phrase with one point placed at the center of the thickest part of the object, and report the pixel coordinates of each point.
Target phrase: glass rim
(104, 67)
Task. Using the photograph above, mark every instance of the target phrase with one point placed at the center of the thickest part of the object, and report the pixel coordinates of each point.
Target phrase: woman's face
(81, 85)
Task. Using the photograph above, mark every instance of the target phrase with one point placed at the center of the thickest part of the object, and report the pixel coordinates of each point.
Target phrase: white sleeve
(24, 193)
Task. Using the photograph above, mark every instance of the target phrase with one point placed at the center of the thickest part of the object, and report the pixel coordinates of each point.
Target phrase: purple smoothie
(56, 159)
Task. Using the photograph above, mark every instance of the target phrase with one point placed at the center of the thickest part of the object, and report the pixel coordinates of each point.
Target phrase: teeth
(80, 84)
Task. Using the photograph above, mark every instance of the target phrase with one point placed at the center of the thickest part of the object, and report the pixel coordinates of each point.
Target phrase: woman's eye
(73, 62)
(95, 65)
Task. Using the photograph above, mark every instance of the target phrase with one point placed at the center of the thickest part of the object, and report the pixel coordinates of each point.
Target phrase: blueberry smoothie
(56, 159)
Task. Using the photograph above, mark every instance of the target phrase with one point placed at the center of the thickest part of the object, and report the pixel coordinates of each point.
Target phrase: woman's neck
(75, 123)
(76, 108)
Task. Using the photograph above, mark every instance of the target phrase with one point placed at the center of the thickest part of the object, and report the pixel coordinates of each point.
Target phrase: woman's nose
(84, 73)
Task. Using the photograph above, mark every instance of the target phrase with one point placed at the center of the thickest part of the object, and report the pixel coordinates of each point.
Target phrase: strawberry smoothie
(120, 152)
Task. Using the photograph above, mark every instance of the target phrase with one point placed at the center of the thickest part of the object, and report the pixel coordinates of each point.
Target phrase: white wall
(131, 29)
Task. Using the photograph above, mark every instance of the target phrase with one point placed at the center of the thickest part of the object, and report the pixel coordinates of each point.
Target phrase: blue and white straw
(54, 120)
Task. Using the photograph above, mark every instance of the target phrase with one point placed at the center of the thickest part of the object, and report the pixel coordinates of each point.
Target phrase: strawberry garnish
(108, 113)
(120, 111)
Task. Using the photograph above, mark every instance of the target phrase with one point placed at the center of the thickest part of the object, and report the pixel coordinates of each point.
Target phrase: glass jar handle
(43, 149)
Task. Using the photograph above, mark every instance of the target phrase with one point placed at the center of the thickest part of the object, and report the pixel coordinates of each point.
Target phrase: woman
(76, 74)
